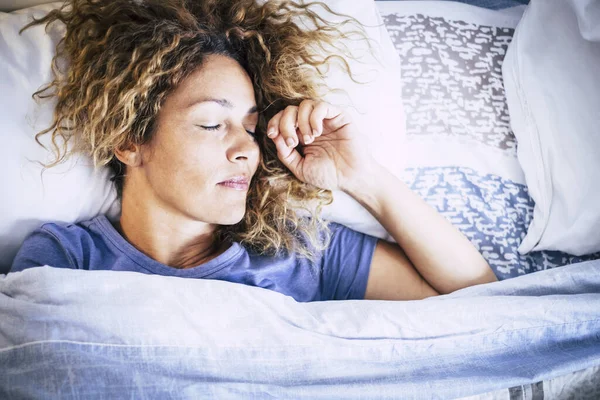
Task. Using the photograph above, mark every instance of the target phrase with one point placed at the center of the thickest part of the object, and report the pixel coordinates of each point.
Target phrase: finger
(289, 156)
(287, 126)
(273, 125)
(333, 117)
(304, 112)
(336, 117)
(316, 118)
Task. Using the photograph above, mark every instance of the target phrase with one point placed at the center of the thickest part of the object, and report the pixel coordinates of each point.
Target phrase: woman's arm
(335, 159)
(443, 256)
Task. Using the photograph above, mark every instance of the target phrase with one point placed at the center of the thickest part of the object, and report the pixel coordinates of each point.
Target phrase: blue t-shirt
(96, 245)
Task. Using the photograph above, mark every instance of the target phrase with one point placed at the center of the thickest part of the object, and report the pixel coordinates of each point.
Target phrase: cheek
(258, 155)
(258, 161)
(175, 167)
(195, 167)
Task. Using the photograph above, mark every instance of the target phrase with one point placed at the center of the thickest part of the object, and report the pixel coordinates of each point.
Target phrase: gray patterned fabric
(492, 212)
(452, 78)
(453, 92)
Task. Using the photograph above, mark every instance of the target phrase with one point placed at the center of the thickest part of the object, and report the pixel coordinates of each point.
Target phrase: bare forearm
(440, 252)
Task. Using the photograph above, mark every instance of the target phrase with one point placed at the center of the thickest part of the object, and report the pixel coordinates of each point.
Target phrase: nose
(242, 146)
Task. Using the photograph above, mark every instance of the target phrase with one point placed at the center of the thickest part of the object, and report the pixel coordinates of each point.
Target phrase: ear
(130, 156)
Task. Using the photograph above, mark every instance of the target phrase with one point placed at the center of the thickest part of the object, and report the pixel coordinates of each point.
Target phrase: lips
(237, 179)
(237, 182)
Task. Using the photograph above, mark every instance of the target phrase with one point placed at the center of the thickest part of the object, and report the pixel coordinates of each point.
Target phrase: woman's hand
(331, 154)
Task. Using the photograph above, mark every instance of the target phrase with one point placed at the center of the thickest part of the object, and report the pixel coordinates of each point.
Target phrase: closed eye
(211, 128)
(216, 127)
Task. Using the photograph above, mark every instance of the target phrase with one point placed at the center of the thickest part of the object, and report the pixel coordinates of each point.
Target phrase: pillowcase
(553, 92)
(70, 192)
(375, 105)
(12, 5)
(75, 191)
(588, 15)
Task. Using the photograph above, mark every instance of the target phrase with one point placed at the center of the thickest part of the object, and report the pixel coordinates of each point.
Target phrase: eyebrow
(222, 102)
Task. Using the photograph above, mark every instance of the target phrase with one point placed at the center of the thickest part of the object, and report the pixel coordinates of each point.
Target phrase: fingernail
(307, 139)
(271, 132)
(290, 142)
(315, 133)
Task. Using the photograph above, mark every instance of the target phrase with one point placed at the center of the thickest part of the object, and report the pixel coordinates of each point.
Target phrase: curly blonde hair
(123, 57)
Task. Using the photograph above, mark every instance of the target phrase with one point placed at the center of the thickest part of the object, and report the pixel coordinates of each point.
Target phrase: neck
(166, 236)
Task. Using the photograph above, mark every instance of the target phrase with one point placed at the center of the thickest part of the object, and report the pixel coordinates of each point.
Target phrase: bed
(535, 334)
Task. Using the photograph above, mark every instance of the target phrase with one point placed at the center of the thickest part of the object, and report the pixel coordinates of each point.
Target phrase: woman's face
(203, 139)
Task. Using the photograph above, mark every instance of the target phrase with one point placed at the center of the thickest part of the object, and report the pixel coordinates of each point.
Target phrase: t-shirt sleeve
(346, 264)
(41, 247)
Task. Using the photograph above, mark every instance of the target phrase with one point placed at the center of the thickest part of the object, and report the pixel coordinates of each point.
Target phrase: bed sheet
(579, 385)
(86, 334)
(461, 151)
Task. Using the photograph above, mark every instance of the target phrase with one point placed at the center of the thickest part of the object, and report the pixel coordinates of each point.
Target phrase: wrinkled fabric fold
(88, 334)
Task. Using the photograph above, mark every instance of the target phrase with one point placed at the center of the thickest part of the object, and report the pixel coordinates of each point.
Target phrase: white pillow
(74, 192)
(376, 107)
(588, 15)
(12, 5)
(69, 192)
(552, 81)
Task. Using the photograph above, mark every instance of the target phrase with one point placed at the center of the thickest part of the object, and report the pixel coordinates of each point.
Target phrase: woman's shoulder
(331, 229)
(70, 231)
(333, 239)
(56, 243)
(339, 229)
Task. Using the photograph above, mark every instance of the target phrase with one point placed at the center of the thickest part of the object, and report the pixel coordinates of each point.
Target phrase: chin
(232, 218)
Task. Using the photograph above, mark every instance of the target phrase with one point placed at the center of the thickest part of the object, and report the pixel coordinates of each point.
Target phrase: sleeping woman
(209, 115)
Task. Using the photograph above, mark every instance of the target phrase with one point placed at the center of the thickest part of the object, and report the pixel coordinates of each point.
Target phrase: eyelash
(216, 127)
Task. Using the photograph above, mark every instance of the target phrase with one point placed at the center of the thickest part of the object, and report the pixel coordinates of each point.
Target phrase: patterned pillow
(461, 151)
